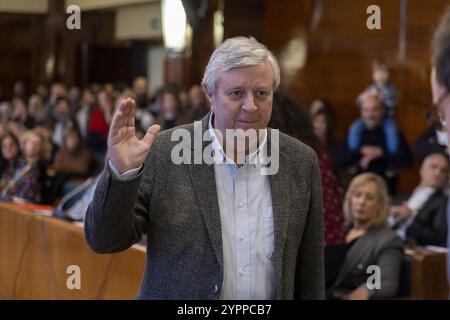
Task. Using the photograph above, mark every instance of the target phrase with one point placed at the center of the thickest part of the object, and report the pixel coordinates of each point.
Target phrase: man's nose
(249, 103)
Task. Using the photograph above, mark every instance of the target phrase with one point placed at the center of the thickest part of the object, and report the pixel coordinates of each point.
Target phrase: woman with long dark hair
(292, 119)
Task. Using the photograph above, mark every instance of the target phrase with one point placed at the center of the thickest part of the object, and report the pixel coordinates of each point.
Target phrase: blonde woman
(370, 242)
(36, 151)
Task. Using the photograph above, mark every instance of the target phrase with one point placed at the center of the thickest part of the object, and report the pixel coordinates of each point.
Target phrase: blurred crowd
(56, 138)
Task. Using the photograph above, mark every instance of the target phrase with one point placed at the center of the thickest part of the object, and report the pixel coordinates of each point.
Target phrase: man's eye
(262, 94)
(235, 94)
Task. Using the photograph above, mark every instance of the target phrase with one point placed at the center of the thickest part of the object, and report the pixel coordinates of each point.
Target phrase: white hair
(235, 53)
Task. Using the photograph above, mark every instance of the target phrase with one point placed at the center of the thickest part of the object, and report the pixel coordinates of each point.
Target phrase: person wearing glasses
(440, 79)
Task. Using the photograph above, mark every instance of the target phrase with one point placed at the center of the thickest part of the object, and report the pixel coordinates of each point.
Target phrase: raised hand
(125, 150)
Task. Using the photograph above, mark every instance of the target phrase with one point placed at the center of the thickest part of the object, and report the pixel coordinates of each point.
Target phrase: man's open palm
(126, 151)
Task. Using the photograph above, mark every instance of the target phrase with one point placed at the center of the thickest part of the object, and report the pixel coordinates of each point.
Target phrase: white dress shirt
(246, 216)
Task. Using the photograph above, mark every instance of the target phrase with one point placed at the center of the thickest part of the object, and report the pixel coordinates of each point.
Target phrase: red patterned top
(332, 203)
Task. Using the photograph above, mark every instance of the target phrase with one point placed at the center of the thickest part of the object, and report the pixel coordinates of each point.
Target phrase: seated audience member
(20, 114)
(36, 149)
(36, 108)
(169, 103)
(433, 140)
(57, 90)
(98, 125)
(420, 217)
(11, 164)
(47, 129)
(198, 102)
(290, 118)
(5, 111)
(88, 103)
(73, 163)
(140, 89)
(29, 181)
(183, 96)
(74, 99)
(61, 115)
(42, 92)
(372, 153)
(369, 241)
(73, 157)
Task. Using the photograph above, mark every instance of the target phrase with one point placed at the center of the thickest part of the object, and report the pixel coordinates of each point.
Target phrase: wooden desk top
(35, 252)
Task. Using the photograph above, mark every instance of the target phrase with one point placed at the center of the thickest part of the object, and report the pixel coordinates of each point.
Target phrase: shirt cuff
(127, 175)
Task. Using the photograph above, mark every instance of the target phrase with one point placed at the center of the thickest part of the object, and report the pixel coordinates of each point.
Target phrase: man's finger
(116, 123)
(131, 106)
(118, 118)
(151, 133)
(123, 109)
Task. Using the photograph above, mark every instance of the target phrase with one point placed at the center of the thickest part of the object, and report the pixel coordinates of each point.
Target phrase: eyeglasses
(438, 108)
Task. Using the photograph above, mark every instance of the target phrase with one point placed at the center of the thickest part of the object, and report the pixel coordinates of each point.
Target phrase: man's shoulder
(438, 197)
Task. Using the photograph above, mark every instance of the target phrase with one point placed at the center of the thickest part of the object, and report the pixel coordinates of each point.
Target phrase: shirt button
(241, 273)
(216, 288)
(240, 204)
(242, 237)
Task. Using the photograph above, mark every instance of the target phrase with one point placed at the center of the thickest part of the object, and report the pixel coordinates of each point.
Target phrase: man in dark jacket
(420, 217)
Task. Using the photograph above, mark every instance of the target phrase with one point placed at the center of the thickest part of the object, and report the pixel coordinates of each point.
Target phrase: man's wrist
(127, 175)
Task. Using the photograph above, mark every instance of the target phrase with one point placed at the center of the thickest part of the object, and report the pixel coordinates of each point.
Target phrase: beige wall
(41, 6)
(142, 21)
(102, 4)
(24, 6)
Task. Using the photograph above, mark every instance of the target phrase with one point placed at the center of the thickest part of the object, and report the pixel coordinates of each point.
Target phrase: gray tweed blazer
(177, 206)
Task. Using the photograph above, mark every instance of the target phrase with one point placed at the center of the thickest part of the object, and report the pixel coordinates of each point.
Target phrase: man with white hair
(220, 230)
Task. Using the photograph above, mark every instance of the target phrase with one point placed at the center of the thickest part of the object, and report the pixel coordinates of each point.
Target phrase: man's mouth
(248, 121)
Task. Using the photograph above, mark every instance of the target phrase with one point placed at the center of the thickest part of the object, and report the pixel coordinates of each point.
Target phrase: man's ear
(209, 97)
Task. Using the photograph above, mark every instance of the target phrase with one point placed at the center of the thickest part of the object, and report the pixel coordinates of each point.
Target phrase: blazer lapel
(277, 181)
(203, 180)
(356, 254)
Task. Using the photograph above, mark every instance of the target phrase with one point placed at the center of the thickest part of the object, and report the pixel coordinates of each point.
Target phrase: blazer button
(216, 289)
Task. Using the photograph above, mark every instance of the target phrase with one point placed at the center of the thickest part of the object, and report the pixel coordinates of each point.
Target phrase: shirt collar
(256, 158)
(420, 189)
